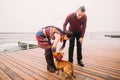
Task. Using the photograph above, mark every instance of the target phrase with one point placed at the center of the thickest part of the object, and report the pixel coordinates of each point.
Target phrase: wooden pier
(31, 65)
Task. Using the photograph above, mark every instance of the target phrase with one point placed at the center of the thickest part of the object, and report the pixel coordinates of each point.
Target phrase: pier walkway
(31, 65)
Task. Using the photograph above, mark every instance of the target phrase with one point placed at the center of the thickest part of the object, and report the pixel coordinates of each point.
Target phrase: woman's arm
(57, 39)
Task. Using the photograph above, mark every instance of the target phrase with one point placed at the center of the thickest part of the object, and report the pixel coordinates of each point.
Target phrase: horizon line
(34, 32)
(16, 32)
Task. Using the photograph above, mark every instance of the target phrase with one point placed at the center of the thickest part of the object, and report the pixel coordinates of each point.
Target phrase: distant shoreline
(112, 36)
(34, 32)
(17, 32)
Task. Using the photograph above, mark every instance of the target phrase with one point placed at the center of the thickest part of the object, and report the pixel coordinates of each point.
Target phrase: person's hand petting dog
(57, 57)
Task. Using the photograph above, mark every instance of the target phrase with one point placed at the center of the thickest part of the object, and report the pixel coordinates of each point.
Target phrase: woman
(44, 37)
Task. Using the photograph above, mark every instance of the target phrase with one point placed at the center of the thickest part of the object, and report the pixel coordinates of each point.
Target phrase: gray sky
(31, 15)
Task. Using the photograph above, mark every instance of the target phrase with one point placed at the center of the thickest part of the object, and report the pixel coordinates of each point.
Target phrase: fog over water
(31, 15)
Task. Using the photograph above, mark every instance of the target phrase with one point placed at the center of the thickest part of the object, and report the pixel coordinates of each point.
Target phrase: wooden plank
(42, 59)
(103, 69)
(105, 73)
(27, 69)
(99, 74)
(34, 67)
(86, 74)
(21, 70)
(97, 65)
(10, 72)
(44, 62)
(4, 76)
(40, 65)
(102, 63)
(102, 75)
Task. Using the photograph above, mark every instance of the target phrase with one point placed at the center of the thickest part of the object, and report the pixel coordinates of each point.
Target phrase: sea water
(9, 41)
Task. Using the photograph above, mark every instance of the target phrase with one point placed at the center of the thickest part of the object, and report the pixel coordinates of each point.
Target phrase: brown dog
(65, 66)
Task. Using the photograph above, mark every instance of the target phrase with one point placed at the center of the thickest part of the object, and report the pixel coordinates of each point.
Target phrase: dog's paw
(74, 76)
(57, 72)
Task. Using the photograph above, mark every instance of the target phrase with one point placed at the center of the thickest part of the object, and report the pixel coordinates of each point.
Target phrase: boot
(80, 63)
(52, 60)
(50, 69)
(49, 60)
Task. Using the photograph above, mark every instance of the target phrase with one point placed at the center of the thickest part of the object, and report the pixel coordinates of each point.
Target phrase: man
(77, 24)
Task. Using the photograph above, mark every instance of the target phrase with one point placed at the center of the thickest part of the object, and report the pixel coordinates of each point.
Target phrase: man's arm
(84, 26)
(65, 23)
(83, 29)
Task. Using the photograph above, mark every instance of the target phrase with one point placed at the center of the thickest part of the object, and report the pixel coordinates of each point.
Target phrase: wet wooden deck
(31, 65)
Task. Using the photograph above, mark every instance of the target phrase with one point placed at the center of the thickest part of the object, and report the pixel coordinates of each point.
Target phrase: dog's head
(59, 53)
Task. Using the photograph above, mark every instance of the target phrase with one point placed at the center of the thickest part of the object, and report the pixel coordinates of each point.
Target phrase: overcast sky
(31, 15)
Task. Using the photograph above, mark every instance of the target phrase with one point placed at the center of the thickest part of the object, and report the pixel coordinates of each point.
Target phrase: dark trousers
(77, 35)
(49, 58)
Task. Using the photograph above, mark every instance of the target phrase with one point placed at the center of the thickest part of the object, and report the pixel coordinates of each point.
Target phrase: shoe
(54, 68)
(51, 69)
(80, 63)
(71, 61)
